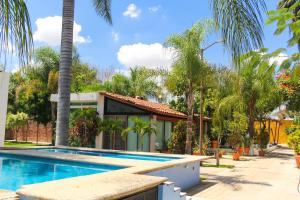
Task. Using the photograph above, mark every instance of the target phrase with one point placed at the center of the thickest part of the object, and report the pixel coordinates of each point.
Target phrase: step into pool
(112, 155)
(16, 170)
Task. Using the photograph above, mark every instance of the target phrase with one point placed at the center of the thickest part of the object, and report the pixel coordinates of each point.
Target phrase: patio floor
(272, 177)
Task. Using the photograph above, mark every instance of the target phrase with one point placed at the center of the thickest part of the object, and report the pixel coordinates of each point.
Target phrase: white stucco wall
(184, 176)
(4, 81)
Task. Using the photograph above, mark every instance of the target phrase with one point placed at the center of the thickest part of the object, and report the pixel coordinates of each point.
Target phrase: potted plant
(214, 138)
(247, 144)
(294, 142)
(237, 129)
(263, 141)
(196, 150)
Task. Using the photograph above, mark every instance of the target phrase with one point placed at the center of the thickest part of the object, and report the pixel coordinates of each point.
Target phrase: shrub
(294, 136)
(263, 138)
(85, 126)
(176, 143)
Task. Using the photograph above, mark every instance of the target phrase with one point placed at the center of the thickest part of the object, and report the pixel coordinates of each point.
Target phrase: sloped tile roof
(156, 108)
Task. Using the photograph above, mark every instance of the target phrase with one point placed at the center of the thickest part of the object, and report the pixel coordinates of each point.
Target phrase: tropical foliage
(176, 143)
(15, 121)
(16, 34)
(241, 24)
(111, 126)
(85, 126)
(294, 136)
(189, 63)
(141, 127)
(141, 82)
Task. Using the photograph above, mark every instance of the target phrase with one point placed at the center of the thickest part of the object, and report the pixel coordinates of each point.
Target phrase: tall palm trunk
(251, 119)
(64, 81)
(190, 102)
(201, 116)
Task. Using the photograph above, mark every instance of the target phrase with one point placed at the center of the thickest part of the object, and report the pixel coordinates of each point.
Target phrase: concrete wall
(184, 176)
(4, 81)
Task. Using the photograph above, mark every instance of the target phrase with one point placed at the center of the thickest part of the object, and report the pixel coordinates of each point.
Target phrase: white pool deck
(109, 185)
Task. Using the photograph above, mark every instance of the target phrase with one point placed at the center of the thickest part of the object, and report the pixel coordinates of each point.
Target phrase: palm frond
(15, 30)
(103, 9)
(241, 24)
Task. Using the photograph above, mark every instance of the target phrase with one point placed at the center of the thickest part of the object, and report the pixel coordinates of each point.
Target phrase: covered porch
(125, 108)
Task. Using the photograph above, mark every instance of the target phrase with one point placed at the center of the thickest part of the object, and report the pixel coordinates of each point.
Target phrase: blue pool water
(16, 170)
(112, 155)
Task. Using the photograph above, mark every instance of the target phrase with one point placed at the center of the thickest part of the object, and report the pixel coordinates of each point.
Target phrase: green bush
(294, 139)
(263, 138)
(176, 143)
(85, 126)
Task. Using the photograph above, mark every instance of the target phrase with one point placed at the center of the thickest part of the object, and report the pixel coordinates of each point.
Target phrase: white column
(153, 137)
(100, 110)
(4, 81)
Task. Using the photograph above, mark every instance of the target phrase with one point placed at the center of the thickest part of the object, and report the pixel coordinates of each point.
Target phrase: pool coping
(134, 167)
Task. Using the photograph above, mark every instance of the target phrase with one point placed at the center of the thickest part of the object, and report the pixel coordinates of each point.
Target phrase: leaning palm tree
(241, 23)
(15, 30)
(188, 50)
(102, 8)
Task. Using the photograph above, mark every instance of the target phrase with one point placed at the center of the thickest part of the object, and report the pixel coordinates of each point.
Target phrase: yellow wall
(282, 134)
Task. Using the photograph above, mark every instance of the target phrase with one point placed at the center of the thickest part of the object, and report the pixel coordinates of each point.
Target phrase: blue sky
(139, 28)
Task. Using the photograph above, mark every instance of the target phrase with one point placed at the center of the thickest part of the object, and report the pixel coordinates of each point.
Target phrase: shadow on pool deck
(253, 178)
(226, 180)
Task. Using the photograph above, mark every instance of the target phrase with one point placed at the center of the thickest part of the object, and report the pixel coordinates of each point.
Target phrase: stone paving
(272, 177)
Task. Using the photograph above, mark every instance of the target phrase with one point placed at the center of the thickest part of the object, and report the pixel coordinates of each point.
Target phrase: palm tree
(188, 50)
(102, 8)
(241, 23)
(15, 29)
(141, 127)
(254, 82)
(111, 127)
(141, 82)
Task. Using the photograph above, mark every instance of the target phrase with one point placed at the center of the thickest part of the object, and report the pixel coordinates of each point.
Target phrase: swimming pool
(17, 170)
(112, 155)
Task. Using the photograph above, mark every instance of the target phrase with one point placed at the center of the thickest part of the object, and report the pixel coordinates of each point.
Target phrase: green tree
(141, 82)
(257, 81)
(238, 129)
(15, 29)
(289, 87)
(16, 121)
(102, 8)
(119, 84)
(188, 49)
(141, 127)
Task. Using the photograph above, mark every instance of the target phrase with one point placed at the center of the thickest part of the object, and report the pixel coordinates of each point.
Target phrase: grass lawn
(20, 144)
(220, 166)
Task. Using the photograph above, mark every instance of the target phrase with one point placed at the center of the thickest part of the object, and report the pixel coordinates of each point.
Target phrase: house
(124, 108)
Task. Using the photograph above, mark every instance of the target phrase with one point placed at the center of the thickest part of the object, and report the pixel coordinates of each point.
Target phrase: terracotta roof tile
(157, 108)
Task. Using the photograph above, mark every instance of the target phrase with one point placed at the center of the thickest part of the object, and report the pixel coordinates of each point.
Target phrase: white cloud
(49, 31)
(278, 59)
(132, 11)
(154, 8)
(115, 36)
(148, 55)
